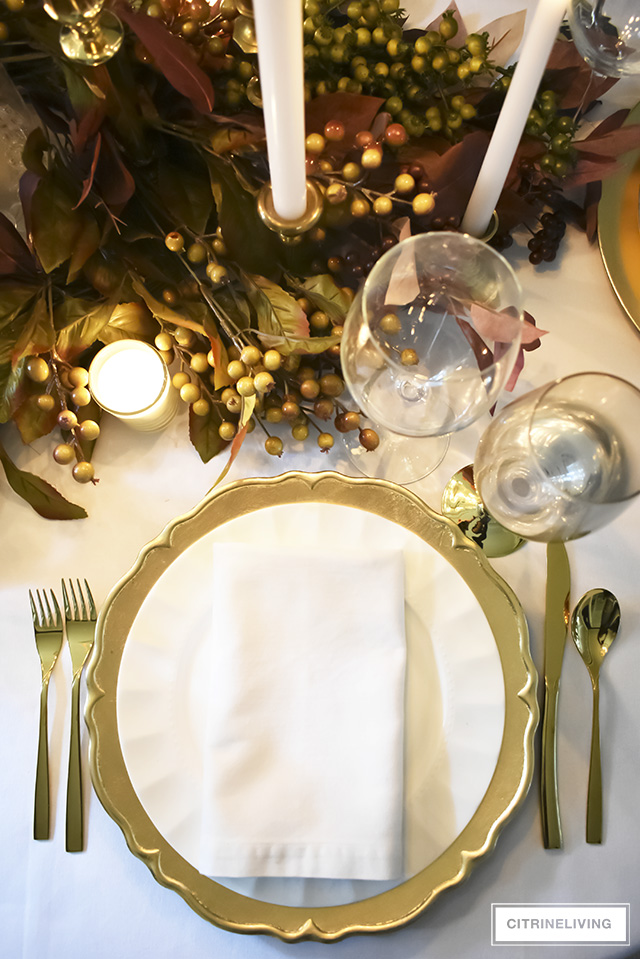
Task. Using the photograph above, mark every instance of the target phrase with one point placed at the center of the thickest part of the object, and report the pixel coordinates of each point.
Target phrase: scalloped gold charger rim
(509, 784)
(619, 230)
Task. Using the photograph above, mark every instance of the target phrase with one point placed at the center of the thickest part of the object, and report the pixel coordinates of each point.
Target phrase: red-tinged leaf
(114, 182)
(87, 183)
(482, 353)
(220, 360)
(593, 194)
(501, 325)
(44, 498)
(610, 145)
(572, 78)
(505, 36)
(15, 256)
(248, 405)
(528, 344)
(611, 122)
(453, 173)
(87, 127)
(172, 56)
(590, 171)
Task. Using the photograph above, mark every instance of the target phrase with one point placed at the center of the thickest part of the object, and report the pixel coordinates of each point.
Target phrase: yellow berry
(197, 253)
(184, 337)
(83, 472)
(216, 272)
(423, 203)
(404, 183)
(382, 205)
(315, 143)
(263, 382)
(201, 407)
(164, 342)
(325, 441)
(89, 430)
(236, 369)
(46, 402)
(37, 369)
(390, 323)
(251, 355)
(371, 158)
(227, 430)
(64, 454)
(245, 386)
(409, 357)
(189, 393)
(67, 420)
(351, 172)
(199, 362)
(272, 360)
(174, 241)
(78, 376)
(180, 379)
(81, 396)
(273, 445)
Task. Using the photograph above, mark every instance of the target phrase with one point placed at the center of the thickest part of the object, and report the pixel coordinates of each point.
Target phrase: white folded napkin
(303, 763)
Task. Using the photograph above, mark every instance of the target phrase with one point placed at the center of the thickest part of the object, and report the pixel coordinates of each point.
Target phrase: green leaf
(311, 345)
(186, 194)
(44, 498)
(80, 323)
(325, 294)
(59, 232)
(277, 311)
(32, 422)
(14, 299)
(249, 242)
(129, 321)
(38, 334)
(203, 433)
(163, 312)
(233, 139)
(11, 380)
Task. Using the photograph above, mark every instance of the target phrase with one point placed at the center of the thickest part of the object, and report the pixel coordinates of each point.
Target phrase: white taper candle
(281, 62)
(506, 136)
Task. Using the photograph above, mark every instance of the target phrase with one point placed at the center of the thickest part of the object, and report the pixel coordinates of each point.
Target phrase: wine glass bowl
(607, 35)
(562, 460)
(432, 336)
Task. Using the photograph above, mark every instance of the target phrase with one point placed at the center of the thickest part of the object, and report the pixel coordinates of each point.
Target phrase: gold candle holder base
(290, 231)
(492, 228)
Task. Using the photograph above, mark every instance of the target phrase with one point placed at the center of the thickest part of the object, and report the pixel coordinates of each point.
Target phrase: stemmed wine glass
(562, 460)
(428, 344)
(607, 35)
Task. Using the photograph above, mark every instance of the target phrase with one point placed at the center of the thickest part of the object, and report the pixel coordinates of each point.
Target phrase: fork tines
(48, 620)
(86, 608)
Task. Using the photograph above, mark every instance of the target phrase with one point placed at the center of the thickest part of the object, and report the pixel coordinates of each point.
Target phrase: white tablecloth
(104, 902)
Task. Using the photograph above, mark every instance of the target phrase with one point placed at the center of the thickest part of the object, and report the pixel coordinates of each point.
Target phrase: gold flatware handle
(75, 818)
(41, 824)
(549, 803)
(594, 791)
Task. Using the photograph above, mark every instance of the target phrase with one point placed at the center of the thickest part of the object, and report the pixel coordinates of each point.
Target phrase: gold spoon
(594, 625)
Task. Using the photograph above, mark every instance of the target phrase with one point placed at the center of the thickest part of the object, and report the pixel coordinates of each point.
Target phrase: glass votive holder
(130, 380)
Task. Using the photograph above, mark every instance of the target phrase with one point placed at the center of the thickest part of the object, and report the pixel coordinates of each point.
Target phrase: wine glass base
(401, 459)
(94, 46)
(461, 503)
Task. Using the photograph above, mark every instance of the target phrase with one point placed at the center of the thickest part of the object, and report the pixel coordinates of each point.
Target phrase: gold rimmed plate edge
(514, 768)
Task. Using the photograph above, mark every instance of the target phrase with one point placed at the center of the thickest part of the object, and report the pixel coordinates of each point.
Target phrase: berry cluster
(545, 242)
(61, 394)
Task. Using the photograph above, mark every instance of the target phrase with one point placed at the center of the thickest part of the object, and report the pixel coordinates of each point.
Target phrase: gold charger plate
(509, 783)
(619, 230)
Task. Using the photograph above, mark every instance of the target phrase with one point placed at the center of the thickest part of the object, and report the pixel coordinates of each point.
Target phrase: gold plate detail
(619, 230)
(509, 784)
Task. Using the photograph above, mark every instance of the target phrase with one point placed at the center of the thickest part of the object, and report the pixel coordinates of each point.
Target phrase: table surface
(104, 900)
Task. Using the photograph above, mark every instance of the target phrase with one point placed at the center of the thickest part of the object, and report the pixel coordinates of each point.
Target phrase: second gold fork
(80, 625)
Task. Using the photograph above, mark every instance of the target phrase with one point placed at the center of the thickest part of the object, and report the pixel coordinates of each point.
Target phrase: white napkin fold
(303, 763)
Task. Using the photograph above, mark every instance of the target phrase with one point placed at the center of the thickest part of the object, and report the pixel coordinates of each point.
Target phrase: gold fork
(80, 624)
(47, 625)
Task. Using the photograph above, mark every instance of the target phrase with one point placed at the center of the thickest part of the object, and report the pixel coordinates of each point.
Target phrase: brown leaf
(44, 498)
(113, 180)
(172, 56)
(87, 183)
(355, 111)
(505, 36)
(612, 144)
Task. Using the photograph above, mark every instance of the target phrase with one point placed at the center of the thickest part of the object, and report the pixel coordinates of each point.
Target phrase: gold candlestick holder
(290, 231)
(89, 34)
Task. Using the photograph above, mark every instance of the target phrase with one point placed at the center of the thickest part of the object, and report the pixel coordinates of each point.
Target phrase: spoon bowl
(594, 625)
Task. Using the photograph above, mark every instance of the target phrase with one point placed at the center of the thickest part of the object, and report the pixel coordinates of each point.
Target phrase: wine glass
(88, 33)
(607, 35)
(562, 460)
(428, 344)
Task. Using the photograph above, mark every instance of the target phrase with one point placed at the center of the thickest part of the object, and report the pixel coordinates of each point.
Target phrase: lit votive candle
(130, 380)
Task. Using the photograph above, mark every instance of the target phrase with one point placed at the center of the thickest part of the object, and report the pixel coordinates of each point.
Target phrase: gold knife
(555, 634)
